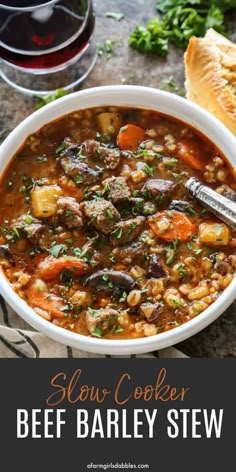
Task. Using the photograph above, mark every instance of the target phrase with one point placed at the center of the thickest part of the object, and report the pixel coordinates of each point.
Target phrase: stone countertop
(127, 66)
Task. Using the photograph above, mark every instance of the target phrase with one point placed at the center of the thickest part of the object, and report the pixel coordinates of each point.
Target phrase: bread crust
(210, 70)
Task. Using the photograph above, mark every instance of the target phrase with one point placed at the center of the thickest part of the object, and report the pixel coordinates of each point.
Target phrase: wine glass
(46, 45)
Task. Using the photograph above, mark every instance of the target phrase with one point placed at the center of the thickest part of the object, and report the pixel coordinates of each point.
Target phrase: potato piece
(109, 123)
(214, 234)
(44, 200)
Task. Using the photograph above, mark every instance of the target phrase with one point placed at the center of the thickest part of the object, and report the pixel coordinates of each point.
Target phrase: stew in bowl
(97, 231)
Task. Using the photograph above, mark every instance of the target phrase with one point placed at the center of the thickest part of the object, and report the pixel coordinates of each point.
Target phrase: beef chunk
(227, 192)
(156, 267)
(126, 231)
(29, 227)
(102, 214)
(129, 252)
(158, 186)
(118, 190)
(101, 321)
(93, 149)
(80, 172)
(69, 212)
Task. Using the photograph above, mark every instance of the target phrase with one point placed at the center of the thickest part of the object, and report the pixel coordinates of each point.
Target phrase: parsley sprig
(181, 19)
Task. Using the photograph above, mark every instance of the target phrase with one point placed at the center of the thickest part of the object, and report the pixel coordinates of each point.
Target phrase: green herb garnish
(117, 233)
(58, 249)
(181, 19)
(114, 15)
(98, 333)
(60, 148)
(78, 179)
(50, 98)
(42, 159)
(148, 169)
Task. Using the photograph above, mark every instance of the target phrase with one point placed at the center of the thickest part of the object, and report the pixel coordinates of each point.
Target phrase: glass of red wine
(46, 45)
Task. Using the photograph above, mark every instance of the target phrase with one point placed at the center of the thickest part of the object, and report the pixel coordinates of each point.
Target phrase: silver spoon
(221, 206)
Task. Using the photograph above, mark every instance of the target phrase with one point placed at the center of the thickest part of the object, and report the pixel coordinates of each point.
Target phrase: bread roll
(210, 70)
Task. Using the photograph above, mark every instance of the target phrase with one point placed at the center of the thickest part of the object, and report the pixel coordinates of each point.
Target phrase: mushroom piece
(159, 186)
(4, 251)
(110, 279)
(180, 205)
(156, 267)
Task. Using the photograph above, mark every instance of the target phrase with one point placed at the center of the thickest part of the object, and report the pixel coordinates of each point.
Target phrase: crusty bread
(210, 70)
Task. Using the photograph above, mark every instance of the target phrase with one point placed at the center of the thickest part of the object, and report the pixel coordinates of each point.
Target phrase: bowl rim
(134, 96)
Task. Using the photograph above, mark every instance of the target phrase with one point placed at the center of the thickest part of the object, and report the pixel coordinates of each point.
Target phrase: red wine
(45, 37)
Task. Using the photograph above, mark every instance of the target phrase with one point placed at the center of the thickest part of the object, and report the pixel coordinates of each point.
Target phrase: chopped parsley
(112, 257)
(170, 85)
(78, 179)
(117, 233)
(98, 332)
(182, 271)
(117, 329)
(123, 297)
(170, 251)
(190, 246)
(148, 169)
(13, 236)
(132, 226)
(50, 98)
(60, 148)
(94, 313)
(105, 48)
(110, 214)
(197, 251)
(170, 256)
(178, 303)
(114, 15)
(42, 159)
(29, 219)
(68, 213)
(58, 249)
(105, 277)
(190, 211)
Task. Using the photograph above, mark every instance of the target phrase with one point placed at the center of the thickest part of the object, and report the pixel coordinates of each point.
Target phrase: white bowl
(124, 96)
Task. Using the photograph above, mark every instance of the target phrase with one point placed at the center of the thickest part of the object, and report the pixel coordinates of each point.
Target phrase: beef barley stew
(97, 231)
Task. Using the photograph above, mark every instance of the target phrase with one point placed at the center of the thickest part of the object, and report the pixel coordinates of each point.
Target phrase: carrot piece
(45, 300)
(192, 154)
(170, 225)
(130, 137)
(51, 267)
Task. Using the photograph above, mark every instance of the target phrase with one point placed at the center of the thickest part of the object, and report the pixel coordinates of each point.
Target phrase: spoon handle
(221, 206)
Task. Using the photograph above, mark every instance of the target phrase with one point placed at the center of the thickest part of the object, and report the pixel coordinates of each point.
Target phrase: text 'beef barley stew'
(98, 233)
